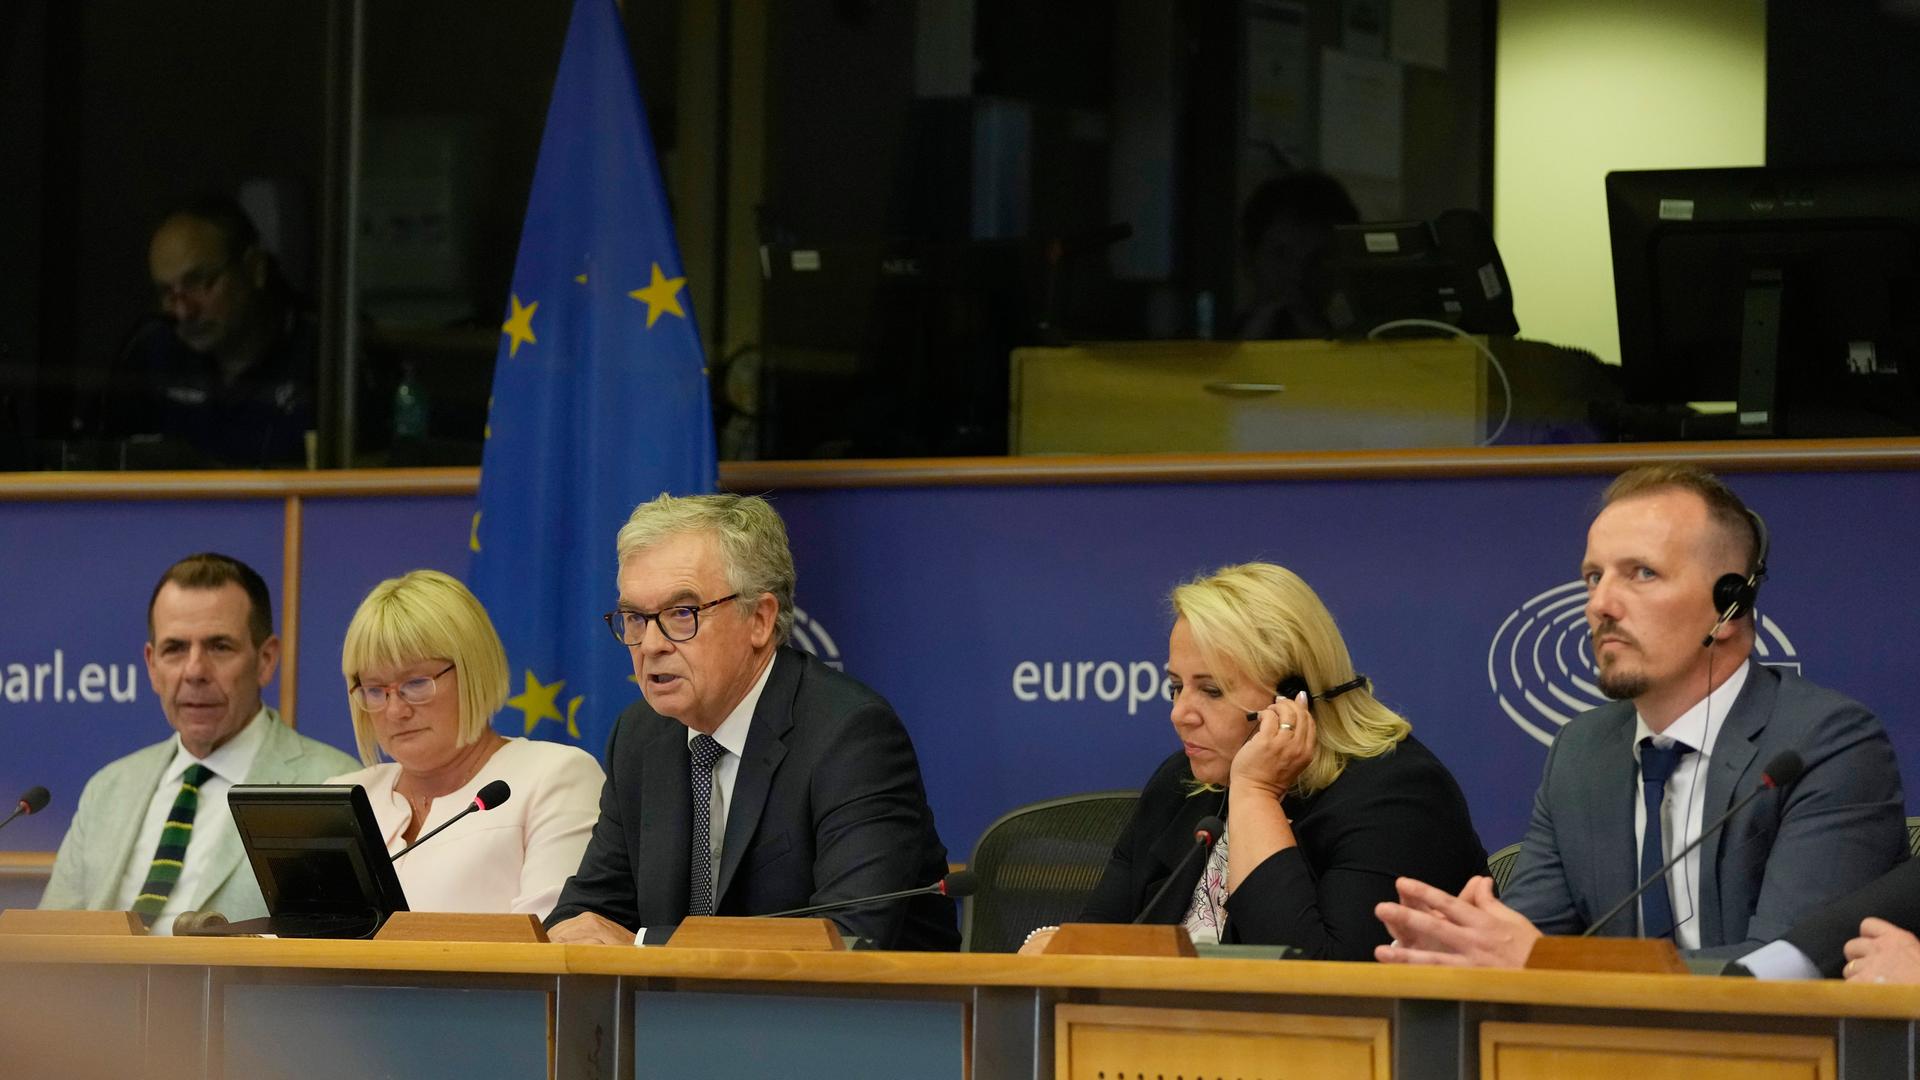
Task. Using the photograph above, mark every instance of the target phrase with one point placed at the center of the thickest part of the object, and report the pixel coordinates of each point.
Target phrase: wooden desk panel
(1094, 1042)
(1594, 990)
(152, 1000)
(86, 1021)
(1578, 1052)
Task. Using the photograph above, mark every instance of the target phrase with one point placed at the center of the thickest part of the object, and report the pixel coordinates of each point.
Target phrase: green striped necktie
(171, 855)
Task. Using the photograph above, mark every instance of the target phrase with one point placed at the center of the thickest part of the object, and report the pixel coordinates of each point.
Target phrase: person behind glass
(425, 674)
(225, 373)
(1327, 795)
(1286, 228)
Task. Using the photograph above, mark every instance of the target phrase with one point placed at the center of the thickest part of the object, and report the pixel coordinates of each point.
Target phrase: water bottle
(409, 409)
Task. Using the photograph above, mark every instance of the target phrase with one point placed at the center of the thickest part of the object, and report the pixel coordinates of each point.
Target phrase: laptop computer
(316, 851)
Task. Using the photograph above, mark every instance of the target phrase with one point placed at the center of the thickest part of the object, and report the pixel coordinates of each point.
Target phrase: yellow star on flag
(663, 295)
(538, 702)
(473, 536)
(573, 714)
(519, 326)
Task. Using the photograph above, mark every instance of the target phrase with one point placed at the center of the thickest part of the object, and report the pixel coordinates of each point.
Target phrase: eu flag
(599, 395)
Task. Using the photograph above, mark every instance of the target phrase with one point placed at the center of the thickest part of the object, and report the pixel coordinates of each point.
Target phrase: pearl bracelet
(1036, 932)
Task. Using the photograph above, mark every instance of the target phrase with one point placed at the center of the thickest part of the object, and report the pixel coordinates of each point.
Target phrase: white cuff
(1779, 960)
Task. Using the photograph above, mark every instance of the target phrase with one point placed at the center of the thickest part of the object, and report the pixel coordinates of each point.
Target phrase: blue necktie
(1656, 766)
(701, 754)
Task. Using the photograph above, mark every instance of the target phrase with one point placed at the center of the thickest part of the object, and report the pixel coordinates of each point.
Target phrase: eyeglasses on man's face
(678, 623)
(193, 285)
(415, 691)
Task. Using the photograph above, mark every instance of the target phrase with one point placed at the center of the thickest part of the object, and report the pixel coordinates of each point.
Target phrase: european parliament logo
(810, 636)
(1540, 664)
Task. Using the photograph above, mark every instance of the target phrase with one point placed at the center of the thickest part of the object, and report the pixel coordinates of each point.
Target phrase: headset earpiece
(1290, 687)
(1733, 595)
(1293, 686)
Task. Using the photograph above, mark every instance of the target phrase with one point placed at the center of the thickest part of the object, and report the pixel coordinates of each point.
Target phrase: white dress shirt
(210, 817)
(1684, 809)
(732, 737)
(511, 859)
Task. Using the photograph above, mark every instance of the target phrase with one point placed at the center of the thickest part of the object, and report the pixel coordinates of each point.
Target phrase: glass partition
(939, 228)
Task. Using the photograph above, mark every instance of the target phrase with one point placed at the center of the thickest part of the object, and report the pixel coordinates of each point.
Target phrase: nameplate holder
(1119, 939)
(736, 932)
(1646, 956)
(460, 926)
(88, 923)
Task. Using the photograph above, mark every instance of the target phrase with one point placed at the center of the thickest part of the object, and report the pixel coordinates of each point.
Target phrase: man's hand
(590, 929)
(1883, 953)
(1469, 930)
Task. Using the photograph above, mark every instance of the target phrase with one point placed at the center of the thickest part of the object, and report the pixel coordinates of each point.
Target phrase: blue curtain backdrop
(599, 394)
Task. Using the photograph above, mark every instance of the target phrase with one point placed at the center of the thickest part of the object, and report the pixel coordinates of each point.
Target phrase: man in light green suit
(210, 648)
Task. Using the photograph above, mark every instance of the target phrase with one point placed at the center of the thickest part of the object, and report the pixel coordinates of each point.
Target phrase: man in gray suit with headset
(1695, 726)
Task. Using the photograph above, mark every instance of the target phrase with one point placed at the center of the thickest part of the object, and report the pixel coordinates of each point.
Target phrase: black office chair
(1500, 866)
(1036, 865)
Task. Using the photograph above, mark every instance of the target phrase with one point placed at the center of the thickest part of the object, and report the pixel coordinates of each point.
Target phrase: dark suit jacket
(1822, 935)
(1838, 827)
(827, 805)
(1400, 813)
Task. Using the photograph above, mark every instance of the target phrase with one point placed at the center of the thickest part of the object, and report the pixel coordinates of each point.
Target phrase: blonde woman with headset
(1326, 795)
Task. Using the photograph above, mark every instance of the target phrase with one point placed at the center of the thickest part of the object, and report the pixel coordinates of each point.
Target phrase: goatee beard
(1622, 685)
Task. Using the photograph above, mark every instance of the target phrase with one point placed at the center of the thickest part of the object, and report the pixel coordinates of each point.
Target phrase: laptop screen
(316, 850)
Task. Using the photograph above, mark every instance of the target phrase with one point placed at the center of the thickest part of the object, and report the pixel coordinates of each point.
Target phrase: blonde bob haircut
(1262, 621)
(426, 615)
(753, 543)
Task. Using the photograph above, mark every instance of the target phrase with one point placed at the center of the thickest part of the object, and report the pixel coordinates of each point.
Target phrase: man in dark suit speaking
(1674, 555)
(752, 778)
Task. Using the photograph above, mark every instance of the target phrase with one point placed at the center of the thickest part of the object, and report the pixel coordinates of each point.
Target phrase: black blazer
(1400, 813)
(827, 805)
(1894, 896)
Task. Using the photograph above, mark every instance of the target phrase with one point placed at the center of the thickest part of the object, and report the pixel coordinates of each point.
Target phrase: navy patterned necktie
(702, 753)
(1657, 764)
(170, 857)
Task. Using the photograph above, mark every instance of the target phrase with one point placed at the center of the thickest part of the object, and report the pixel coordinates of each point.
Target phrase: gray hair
(753, 542)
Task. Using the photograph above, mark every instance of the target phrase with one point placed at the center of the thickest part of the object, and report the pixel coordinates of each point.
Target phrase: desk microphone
(34, 801)
(1206, 832)
(1781, 772)
(489, 797)
(955, 885)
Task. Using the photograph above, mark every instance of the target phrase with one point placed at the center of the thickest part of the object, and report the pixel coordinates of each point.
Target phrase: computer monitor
(1444, 271)
(1793, 293)
(317, 853)
(890, 347)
